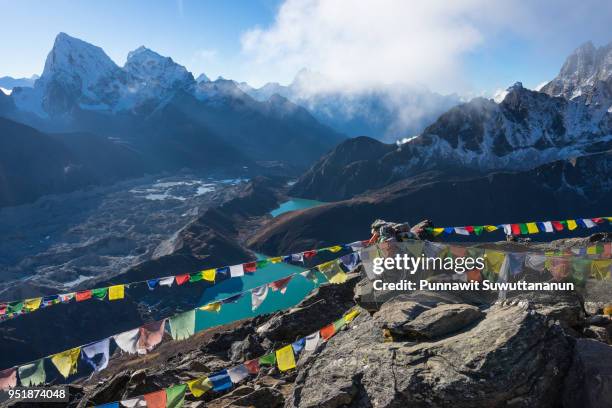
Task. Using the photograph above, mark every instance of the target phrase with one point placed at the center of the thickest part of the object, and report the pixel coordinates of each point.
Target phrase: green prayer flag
(14, 307)
(261, 263)
(99, 293)
(524, 229)
(268, 359)
(195, 277)
(175, 396)
(581, 269)
(33, 374)
(182, 325)
(339, 324)
(478, 229)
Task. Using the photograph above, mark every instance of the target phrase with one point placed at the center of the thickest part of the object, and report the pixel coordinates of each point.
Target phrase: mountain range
(525, 130)
(154, 107)
(386, 112)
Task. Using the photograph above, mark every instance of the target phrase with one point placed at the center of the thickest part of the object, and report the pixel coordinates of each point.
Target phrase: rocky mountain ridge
(525, 130)
(586, 76)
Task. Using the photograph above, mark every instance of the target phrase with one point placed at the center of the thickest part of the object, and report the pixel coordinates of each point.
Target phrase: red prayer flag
(607, 249)
(597, 220)
(558, 226)
(156, 399)
(8, 378)
(280, 284)
(249, 267)
(3, 309)
(180, 279)
(328, 331)
(470, 229)
(309, 254)
(516, 229)
(84, 295)
(252, 366)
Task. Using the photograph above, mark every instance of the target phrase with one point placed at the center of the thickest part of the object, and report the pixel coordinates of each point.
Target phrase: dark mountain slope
(564, 189)
(33, 163)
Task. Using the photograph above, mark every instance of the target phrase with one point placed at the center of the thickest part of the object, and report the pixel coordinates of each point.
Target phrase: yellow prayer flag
(209, 274)
(600, 269)
(437, 231)
(494, 260)
(285, 358)
(335, 248)
(591, 250)
(66, 361)
(351, 315)
(490, 228)
(532, 228)
(199, 386)
(275, 259)
(211, 307)
(32, 304)
(338, 278)
(571, 225)
(116, 292)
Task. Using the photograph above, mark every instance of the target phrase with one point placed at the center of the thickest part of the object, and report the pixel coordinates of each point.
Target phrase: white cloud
(414, 42)
(366, 42)
(499, 95)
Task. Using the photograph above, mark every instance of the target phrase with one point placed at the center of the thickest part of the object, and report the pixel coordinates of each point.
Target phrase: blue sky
(470, 47)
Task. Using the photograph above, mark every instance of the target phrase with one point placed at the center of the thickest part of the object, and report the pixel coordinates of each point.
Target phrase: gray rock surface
(512, 356)
(589, 383)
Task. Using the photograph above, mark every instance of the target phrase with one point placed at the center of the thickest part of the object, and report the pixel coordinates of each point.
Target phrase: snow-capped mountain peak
(146, 65)
(586, 76)
(77, 61)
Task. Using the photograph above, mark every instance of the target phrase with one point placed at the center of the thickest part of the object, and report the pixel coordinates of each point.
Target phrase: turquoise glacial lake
(295, 204)
(299, 287)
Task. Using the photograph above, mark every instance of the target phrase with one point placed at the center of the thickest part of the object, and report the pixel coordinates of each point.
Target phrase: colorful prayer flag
(221, 381)
(156, 399)
(195, 277)
(175, 396)
(600, 269)
(285, 360)
(250, 267)
(268, 359)
(99, 293)
(571, 225)
(116, 292)
(101, 349)
(238, 373)
(280, 285)
(252, 366)
(209, 275)
(167, 281)
(200, 386)
(182, 326)
(312, 341)
(31, 375)
(236, 271)
(128, 340)
(258, 295)
(83, 295)
(181, 279)
(532, 228)
(211, 307)
(328, 331)
(151, 335)
(8, 378)
(66, 361)
(32, 304)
